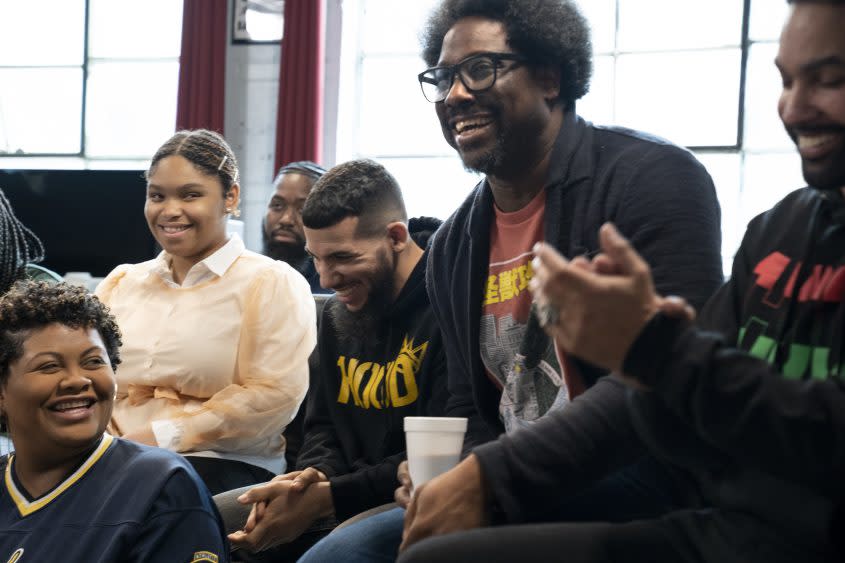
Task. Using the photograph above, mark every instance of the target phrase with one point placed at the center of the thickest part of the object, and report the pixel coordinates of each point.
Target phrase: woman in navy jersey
(71, 491)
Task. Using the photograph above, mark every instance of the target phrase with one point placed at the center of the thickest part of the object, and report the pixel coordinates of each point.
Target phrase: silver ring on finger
(548, 315)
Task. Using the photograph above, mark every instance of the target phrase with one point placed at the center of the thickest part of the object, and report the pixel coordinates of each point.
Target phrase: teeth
(174, 229)
(465, 124)
(811, 141)
(71, 405)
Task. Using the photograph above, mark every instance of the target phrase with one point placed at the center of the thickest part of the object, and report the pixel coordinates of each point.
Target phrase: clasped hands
(283, 508)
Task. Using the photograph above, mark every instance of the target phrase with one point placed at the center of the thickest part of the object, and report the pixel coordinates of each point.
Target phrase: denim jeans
(640, 490)
(372, 540)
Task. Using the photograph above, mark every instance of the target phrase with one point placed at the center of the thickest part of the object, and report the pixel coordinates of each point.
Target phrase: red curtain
(299, 124)
(202, 68)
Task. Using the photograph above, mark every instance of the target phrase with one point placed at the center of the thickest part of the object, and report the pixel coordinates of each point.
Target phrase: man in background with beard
(380, 354)
(284, 238)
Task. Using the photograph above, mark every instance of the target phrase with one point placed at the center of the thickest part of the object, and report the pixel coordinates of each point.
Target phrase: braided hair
(207, 150)
(18, 246)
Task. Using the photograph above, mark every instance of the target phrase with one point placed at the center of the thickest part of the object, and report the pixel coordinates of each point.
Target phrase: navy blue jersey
(126, 502)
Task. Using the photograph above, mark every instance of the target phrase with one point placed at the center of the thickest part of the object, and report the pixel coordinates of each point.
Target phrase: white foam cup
(433, 445)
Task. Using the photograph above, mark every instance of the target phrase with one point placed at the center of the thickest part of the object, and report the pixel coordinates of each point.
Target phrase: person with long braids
(19, 247)
(216, 337)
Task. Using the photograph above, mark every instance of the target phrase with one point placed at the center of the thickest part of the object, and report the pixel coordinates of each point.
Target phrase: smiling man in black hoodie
(380, 355)
(749, 404)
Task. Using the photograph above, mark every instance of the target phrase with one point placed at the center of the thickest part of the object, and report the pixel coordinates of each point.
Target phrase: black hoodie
(366, 385)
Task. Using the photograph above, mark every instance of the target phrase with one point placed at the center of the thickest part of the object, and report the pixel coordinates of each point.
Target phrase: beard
(515, 146)
(827, 173)
(291, 252)
(352, 326)
(489, 161)
(832, 178)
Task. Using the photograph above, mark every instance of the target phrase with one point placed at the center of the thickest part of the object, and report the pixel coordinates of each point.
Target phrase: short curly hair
(30, 305)
(546, 32)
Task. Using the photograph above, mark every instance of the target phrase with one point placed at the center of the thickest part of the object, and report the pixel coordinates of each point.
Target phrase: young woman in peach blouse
(216, 337)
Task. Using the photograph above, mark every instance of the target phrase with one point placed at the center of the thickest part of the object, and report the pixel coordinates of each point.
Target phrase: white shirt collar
(211, 267)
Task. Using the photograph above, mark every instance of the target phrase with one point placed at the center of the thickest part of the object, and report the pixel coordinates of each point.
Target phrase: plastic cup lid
(435, 424)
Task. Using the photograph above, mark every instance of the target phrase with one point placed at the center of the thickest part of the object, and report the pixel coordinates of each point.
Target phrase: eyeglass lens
(476, 73)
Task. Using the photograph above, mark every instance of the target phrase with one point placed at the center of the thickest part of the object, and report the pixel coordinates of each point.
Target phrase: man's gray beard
(489, 162)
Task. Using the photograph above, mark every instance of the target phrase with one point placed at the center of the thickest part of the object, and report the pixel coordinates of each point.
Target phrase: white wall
(252, 89)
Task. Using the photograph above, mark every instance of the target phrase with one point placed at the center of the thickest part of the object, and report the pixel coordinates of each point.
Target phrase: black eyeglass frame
(455, 70)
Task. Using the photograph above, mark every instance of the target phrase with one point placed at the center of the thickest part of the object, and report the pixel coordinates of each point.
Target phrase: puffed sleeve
(106, 288)
(277, 334)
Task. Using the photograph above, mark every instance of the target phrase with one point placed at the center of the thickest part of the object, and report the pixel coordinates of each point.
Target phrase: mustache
(467, 107)
(815, 129)
(284, 229)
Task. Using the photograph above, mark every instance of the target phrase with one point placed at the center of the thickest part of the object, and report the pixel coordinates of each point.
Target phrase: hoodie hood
(413, 293)
(421, 229)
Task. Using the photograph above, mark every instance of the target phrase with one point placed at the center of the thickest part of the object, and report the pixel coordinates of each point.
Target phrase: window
(87, 81)
(383, 114)
(706, 81)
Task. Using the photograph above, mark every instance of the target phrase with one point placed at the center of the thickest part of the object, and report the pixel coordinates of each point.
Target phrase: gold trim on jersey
(26, 507)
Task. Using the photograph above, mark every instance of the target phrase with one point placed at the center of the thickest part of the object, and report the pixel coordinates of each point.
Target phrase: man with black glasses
(504, 79)
(747, 403)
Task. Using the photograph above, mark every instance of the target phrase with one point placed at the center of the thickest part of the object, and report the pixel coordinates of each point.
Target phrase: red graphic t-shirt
(527, 393)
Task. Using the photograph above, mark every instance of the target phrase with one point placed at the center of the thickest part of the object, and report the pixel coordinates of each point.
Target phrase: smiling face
(358, 269)
(498, 130)
(59, 394)
(186, 209)
(284, 234)
(811, 60)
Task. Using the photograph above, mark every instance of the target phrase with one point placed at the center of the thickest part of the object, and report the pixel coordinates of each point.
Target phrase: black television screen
(88, 220)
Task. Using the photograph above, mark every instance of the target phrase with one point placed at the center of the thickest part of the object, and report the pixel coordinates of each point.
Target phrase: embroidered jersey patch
(205, 556)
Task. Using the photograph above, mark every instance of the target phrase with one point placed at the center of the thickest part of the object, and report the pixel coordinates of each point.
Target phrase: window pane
(394, 27)
(597, 105)
(40, 110)
(670, 24)
(47, 32)
(725, 171)
(434, 187)
(690, 98)
(763, 127)
(130, 121)
(767, 179)
(132, 29)
(395, 118)
(601, 14)
(767, 19)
